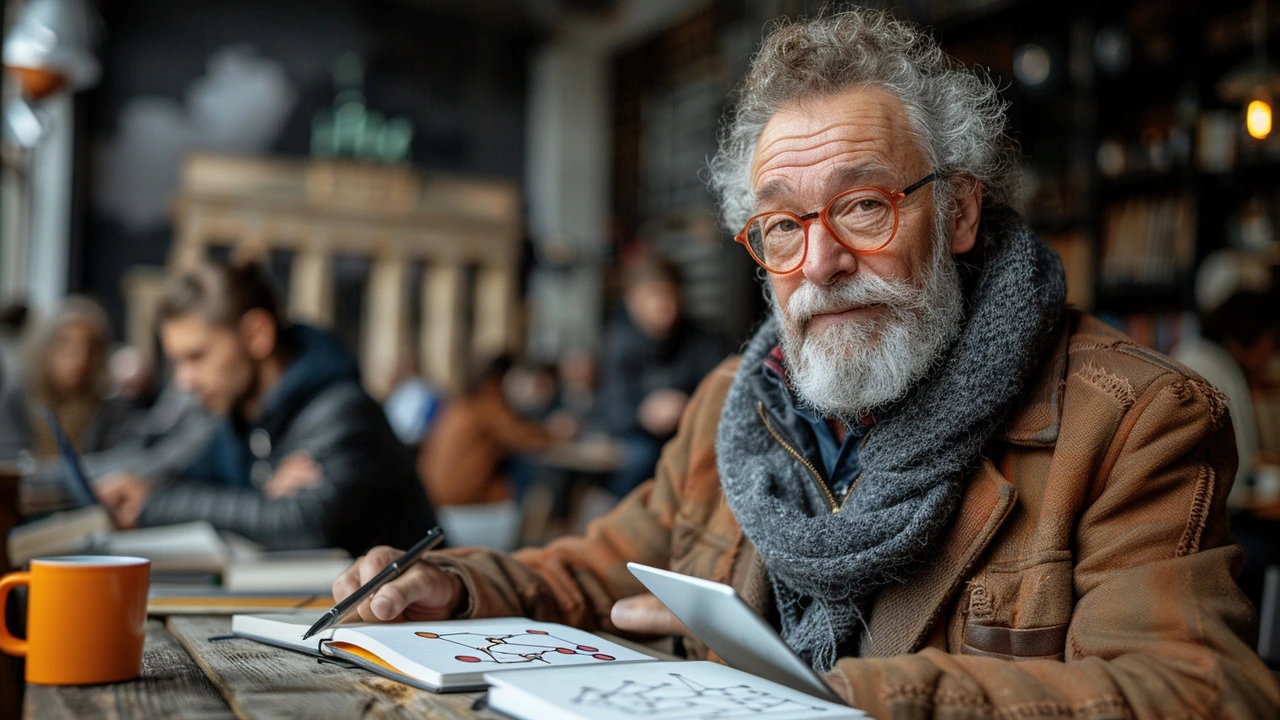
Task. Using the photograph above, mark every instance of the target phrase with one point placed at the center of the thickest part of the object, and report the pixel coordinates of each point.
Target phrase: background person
(653, 359)
(465, 458)
(64, 368)
(302, 457)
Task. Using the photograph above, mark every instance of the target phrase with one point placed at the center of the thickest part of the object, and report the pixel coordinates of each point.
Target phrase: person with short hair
(303, 457)
(948, 492)
(654, 358)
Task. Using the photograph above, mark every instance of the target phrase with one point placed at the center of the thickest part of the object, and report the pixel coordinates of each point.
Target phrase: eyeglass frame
(808, 218)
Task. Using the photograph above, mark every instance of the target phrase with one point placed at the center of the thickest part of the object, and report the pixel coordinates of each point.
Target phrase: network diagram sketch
(529, 646)
(686, 698)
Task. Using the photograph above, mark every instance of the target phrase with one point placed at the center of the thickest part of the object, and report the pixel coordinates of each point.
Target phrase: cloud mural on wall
(240, 105)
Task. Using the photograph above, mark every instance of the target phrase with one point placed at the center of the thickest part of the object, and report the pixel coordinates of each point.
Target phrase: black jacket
(369, 492)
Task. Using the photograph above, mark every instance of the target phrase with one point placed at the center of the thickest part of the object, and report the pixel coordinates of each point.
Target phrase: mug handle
(8, 643)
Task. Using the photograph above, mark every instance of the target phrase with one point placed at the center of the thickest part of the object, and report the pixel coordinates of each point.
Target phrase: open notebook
(446, 656)
(657, 690)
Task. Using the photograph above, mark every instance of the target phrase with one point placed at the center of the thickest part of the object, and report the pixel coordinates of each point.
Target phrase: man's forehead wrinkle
(800, 157)
(802, 136)
(865, 132)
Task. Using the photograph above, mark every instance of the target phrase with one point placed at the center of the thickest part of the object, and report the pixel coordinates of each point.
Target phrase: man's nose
(827, 259)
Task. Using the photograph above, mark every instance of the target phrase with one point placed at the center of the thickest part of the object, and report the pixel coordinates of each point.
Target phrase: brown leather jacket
(1089, 571)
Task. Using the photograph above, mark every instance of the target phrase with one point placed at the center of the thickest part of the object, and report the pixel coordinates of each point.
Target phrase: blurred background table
(570, 490)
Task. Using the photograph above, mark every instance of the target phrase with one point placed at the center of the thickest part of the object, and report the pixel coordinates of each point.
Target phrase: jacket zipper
(831, 499)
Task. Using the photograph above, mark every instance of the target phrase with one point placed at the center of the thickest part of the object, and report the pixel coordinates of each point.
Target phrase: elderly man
(948, 492)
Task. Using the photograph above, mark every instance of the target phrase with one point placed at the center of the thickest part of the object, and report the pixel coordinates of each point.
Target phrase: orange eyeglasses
(864, 220)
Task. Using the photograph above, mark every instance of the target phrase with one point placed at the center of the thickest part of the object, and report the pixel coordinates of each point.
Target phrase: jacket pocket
(1045, 643)
(1019, 609)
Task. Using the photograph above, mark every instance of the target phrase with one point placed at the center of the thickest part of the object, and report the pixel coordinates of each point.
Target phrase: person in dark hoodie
(654, 358)
(302, 457)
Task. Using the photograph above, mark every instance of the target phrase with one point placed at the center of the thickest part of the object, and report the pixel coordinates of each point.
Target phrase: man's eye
(785, 225)
(869, 205)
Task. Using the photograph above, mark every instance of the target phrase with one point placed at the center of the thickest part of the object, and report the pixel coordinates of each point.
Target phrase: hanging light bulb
(1257, 116)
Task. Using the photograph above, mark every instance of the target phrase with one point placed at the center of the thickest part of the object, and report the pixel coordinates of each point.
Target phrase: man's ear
(258, 333)
(964, 224)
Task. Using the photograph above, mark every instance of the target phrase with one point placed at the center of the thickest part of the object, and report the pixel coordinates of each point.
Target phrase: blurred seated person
(653, 360)
(464, 459)
(64, 368)
(302, 456)
(1236, 341)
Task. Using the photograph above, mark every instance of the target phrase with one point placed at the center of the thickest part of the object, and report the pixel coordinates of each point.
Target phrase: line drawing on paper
(686, 698)
(515, 648)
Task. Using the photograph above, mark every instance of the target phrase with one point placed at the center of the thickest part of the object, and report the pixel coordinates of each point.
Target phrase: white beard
(848, 369)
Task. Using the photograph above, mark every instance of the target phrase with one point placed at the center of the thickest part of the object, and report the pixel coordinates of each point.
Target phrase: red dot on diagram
(602, 656)
(537, 632)
(467, 658)
(565, 651)
(588, 648)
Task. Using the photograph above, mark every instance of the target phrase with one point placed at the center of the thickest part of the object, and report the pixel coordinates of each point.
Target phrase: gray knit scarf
(825, 567)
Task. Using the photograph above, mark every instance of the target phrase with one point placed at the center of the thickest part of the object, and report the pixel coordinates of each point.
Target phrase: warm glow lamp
(1257, 118)
(1253, 83)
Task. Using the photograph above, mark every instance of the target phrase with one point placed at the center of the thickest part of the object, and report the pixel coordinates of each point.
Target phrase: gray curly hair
(957, 115)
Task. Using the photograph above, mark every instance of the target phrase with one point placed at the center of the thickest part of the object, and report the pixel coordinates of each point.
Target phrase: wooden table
(187, 675)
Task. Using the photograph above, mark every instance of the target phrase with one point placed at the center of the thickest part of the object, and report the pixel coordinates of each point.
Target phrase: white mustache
(810, 300)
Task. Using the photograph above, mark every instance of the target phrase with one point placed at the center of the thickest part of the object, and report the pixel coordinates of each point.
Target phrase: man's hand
(124, 495)
(646, 615)
(422, 592)
(660, 411)
(296, 472)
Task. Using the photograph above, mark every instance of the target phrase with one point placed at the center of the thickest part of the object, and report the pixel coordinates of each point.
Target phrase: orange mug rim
(89, 562)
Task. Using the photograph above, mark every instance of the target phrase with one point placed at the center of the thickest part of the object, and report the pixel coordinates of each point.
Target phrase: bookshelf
(1137, 168)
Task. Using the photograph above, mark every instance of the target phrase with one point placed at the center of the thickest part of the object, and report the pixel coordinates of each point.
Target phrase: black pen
(389, 573)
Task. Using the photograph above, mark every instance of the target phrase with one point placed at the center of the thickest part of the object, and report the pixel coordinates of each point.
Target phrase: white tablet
(720, 618)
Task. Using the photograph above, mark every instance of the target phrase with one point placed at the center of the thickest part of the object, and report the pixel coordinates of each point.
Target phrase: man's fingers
(646, 615)
(375, 561)
(365, 567)
(390, 600)
(347, 582)
(426, 592)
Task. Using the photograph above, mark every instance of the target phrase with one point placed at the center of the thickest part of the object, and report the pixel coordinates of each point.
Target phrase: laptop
(721, 619)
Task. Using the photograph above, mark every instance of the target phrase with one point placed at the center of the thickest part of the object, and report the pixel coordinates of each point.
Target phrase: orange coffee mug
(86, 618)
